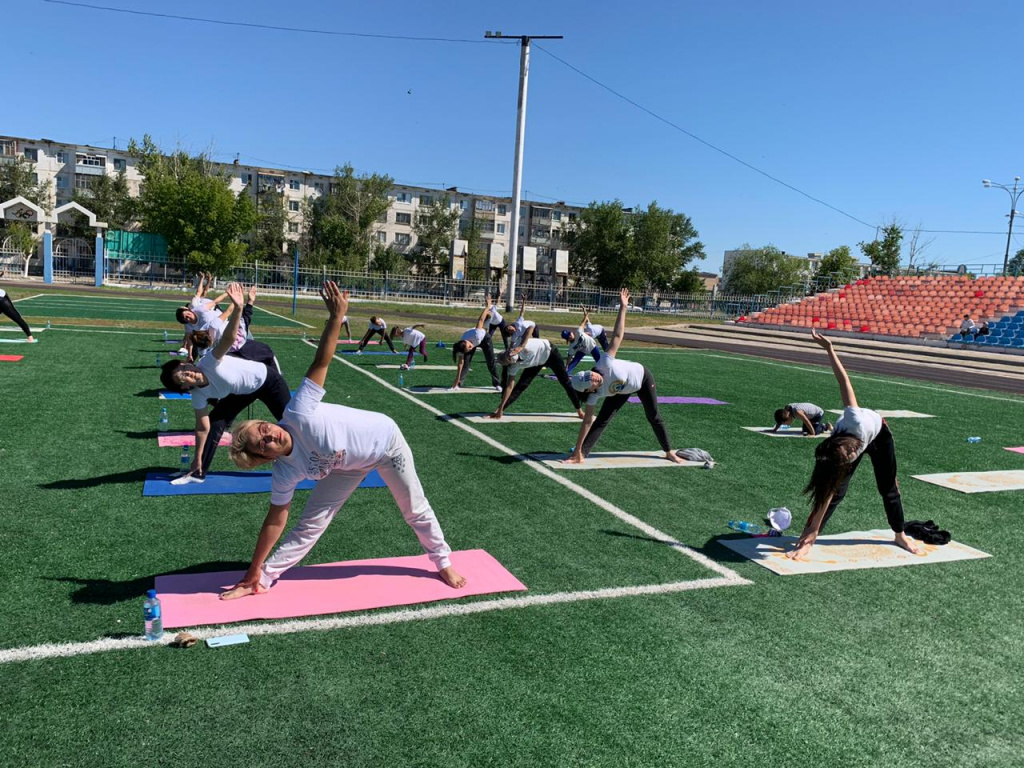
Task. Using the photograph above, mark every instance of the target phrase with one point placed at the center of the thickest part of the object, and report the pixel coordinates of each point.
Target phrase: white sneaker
(359, 351)
(188, 480)
(497, 388)
(403, 367)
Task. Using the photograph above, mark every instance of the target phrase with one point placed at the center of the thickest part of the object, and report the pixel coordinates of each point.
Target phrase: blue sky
(880, 109)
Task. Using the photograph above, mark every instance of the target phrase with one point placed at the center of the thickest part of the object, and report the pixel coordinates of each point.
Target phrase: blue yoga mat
(217, 483)
(374, 352)
(188, 395)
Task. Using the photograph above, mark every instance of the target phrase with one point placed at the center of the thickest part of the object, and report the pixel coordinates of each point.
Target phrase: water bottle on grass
(152, 616)
(744, 527)
(186, 462)
(163, 417)
(401, 381)
(973, 439)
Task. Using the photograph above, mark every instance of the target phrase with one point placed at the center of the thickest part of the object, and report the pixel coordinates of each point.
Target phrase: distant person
(413, 339)
(497, 322)
(584, 341)
(523, 328)
(473, 339)
(983, 330)
(810, 416)
(376, 326)
(7, 307)
(529, 358)
(967, 327)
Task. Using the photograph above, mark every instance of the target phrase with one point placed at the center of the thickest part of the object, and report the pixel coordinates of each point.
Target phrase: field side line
(290, 320)
(862, 377)
(26, 298)
(150, 332)
(65, 650)
(621, 514)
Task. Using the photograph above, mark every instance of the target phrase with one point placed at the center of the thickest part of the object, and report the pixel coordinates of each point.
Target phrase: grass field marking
(289, 319)
(27, 298)
(621, 514)
(380, 618)
(150, 332)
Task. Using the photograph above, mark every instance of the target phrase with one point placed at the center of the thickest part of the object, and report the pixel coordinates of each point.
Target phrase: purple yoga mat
(684, 401)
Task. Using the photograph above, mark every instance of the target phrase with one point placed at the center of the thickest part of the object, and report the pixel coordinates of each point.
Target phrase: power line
(273, 27)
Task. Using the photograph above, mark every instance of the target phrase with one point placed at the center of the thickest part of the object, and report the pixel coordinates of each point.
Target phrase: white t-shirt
(536, 352)
(474, 336)
(216, 328)
(582, 343)
(2, 293)
(326, 437)
(228, 376)
(811, 411)
(382, 327)
(618, 377)
(967, 325)
(594, 330)
(495, 317)
(862, 423)
(412, 338)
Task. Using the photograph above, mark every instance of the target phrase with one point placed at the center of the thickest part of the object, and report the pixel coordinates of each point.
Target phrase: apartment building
(71, 167)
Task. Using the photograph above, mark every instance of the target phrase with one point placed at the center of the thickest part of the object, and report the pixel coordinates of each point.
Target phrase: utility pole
(517, 173)
(1014, 194)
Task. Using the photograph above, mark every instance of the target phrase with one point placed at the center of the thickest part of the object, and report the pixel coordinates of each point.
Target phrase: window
(93, 161)
(501, 228)
(382, 236)
(62, 182)
(383, 218)
(572, 216)
(540, 213)
(402, 238)
(484, 205)
(293, 205)
(294, 184)
(556, 215)
(402, 197)
(426, 199)
(62, 156)
(293, 226)
(120, 164)
(83, 181)
(32, 154)
(502, 210)
(463, 205)
(247, 178)
(7, 149)
(318, 185)
(403, 218)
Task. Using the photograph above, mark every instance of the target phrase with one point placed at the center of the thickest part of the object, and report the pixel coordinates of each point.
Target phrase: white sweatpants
(330, 493)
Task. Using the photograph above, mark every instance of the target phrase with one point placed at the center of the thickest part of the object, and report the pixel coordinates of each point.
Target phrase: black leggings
(492, 365)
(648, 395)
(7, 308)
(557, 365)
(257, 352)
(274, 394)
(882, 452)
(369, 335)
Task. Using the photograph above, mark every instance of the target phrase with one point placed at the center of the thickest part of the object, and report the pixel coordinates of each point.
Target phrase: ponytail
(830, 468)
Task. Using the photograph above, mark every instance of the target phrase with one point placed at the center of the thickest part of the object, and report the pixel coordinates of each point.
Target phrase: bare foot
(671, 456)
(800, 551)
(907, 543)
(31, 340)
(573, 458)
(451, 577)
(242, 590)
(579, 413)
(495, 415)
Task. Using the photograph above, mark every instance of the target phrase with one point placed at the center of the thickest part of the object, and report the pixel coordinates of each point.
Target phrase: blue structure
(1007, 332)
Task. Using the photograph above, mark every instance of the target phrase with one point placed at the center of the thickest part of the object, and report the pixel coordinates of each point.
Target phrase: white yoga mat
(614, 460)
(524, 418)
(845, 552)
(421, 367)
(978, 482)
(449, 391)
(14, 341)
(782, 432)
(895, 414)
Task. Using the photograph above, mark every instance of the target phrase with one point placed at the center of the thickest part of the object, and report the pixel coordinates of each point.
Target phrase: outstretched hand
(335, 299)
(823, 341)
(624, 296)
(236, 292)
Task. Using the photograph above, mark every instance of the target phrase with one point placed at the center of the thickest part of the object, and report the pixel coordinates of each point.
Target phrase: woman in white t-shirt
(529, 358)
(497, 322)
(377, 325)
(336, 446)
(585, 340)
(615, 380)
(464, 349)
(859, 431)
(413, 339)
(7, 308)
(523, 328)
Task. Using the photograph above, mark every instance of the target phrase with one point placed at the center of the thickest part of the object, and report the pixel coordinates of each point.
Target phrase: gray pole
(517, 172)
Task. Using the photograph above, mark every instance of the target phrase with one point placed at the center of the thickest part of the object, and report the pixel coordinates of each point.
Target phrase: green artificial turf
(913, 666)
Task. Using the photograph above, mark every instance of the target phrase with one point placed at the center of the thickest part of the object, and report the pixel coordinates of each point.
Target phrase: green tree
(884, 254)
(110, 198)
(266, 242)
(596, 239)
(476, 249)
(1016, 264)
(435, 227)
(18, 178)
(839, 260)
(689, 281)
(19, 236)
(340, 223)
(759, 270)
(188, 201)
(388, 260)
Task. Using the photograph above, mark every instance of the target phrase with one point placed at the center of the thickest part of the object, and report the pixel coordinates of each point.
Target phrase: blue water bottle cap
(151, 593)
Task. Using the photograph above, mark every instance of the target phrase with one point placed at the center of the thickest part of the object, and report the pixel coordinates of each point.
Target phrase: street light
(1014, 194)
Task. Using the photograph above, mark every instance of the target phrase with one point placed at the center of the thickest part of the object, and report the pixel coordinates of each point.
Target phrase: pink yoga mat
(178, 439)
(11, 358)
(1019, 449)
(683, 401)
(357, 585)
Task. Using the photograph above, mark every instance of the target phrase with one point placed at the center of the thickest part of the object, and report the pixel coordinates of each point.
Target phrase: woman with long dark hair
(859, 431)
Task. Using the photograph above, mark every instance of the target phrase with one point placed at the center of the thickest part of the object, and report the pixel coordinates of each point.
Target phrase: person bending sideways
(234, 383)
(859, 431)
(523, 328)
(376, 326)
(497, 322)
(529, 358)
(464, 349)
(615, 380)
(584, 340)
(413, 339)
(810, 416)
(337, 447)
(7, 308)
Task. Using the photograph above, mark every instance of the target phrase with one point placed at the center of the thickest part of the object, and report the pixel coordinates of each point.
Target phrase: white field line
(551, 474)
(26, 298)
(290, 320)
(150, 332)
(380, 618)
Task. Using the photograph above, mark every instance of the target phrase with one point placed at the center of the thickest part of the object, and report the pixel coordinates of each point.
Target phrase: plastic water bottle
(401, 381)
(165, 335)
(745, 527)
(186, 461)
(47, 323)
(163, 416)
(153, 617)
(973, 439)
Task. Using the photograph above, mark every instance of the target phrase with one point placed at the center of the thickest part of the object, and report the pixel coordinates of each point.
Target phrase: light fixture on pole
(517, 175)
(1014, 194)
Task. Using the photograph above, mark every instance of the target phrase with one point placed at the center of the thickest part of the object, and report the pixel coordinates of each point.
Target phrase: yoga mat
(1019, 449)
(355, 341)
(684, 401)
(614, 460)
(523, 418)
(178, 439)
(978, 482)
(421, 367)
(175, 395)
(895, 414)
(11, 358)
(783, 432)
(845, 552)
(371, 352)
(449, 391)
(14, 341)
(222, 483)
(355, 585)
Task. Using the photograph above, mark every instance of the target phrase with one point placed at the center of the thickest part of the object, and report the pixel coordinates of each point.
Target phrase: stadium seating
(919, 306)
(1006, 332)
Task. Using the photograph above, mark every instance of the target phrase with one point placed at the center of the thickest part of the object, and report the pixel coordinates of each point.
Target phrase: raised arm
(237, 296)
(337, 305)
(845, 387)
(200, 290)
(481, 323)
(620, 323)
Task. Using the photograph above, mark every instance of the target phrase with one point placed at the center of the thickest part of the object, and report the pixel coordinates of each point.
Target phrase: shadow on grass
(151, 367)
(146, 435)
(108, 591)
(149, 392)
(128, 476)
(712, 548)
